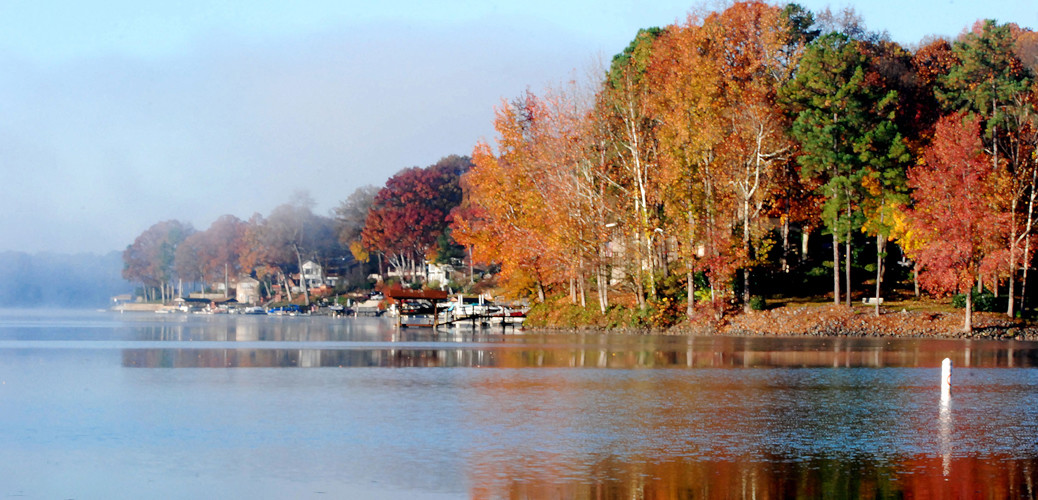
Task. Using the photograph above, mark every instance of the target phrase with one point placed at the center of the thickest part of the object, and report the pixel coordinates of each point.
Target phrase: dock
(416, 305)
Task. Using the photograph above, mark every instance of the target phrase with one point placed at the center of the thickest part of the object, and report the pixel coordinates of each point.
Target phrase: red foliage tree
(410, 212)
(956, 214)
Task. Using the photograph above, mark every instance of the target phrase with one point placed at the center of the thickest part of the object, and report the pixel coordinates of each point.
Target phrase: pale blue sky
(116, 115)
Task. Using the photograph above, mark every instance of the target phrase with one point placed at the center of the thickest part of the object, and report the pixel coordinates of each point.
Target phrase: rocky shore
(862, 322)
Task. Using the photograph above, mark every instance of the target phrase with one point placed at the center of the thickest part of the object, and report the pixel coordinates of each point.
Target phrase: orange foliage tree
(506, 214)
(722, 133)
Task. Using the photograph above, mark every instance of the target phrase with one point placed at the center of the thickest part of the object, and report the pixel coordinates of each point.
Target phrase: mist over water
(61, 280)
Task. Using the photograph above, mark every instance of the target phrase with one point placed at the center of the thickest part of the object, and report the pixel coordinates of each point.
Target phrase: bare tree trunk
(805, 235)
(690, 271)
(746, 249)
(302, 279)
(1013, 244)
(583, 293)
(881, 244)
(847, 255)
(836, 268)
(288, 286)
(690, 290)
(1027, 233)
(1023, 281)
(639, 287)
(472, 278)
(785, 244)
(968, 325)
(381, 272)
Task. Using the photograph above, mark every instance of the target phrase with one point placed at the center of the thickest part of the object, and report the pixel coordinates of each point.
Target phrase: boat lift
(411, 304)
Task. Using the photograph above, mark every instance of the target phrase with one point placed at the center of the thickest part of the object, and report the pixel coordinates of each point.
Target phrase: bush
(982, 302)
(757, 303)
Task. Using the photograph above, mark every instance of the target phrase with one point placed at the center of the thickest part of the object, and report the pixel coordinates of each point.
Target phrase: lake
(103, 405)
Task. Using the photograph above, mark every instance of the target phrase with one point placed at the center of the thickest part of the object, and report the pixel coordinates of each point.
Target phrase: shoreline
(841, 321)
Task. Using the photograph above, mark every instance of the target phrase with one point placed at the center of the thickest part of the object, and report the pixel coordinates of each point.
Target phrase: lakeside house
(312, 274)
(440, 273)
(247, 290)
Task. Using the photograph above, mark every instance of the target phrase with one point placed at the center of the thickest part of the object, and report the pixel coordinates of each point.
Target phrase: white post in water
(946, 374)
(946, 416)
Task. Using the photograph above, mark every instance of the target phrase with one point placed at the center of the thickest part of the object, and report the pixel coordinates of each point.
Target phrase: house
(440, 273)
(312, 274)
(248, 290)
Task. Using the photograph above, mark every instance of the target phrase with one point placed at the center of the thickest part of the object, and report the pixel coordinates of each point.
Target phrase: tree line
(398, 226)
(684, 175)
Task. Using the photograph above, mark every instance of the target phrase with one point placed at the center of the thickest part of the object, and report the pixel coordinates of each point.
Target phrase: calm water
(99, 405)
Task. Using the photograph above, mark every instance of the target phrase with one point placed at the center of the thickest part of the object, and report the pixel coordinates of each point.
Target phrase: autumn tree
(989, 79)
(955, 219)
(150, 259)
(504, 216)
(214, 252)
(753, 62)
(254, 257)
(409, 214)
(688, 133)
(569, 152)
(292, 233)
(720, 130)
(189, 259)
(350, 216)
(624, 105)
(225, 236)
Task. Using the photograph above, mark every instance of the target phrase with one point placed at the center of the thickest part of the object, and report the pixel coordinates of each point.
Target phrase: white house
(440, 273)
(313, 274)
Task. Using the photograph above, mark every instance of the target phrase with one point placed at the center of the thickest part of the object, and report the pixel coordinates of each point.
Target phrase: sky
(115, 115)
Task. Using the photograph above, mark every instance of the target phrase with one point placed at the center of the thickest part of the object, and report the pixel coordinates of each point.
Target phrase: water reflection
(767, 477)
(302, 344)
(554, 416)
(945, 423)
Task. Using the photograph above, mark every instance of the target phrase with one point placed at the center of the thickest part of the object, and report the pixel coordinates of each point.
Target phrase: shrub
(757, 303)
(982, 302)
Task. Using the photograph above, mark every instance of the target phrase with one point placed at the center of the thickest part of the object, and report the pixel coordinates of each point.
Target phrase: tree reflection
(759, 477)
(391, 348)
